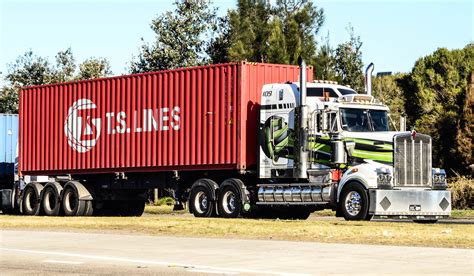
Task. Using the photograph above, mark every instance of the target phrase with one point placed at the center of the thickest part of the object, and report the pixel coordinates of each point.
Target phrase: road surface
(60, 253)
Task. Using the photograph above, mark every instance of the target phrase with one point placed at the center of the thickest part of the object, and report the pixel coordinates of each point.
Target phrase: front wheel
(354, 202)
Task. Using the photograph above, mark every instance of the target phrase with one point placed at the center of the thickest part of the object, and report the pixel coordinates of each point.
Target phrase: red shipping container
(185, 119)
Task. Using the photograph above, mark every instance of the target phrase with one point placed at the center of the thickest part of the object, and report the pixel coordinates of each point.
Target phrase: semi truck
(230, 140)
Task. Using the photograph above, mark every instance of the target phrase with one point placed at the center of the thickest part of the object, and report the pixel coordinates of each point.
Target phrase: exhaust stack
(301, 153)
(302, 65)
(368, 78)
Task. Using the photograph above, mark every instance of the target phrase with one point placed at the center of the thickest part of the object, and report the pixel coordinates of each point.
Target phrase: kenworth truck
(230, 140)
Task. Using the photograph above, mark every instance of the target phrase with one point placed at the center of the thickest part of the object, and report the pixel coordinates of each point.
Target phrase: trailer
(230, 140)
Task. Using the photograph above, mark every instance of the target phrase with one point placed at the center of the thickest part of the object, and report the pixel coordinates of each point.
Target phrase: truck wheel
(51, 201)
(229, 201)
(72, 205)
(201, 202)
(135, 208)
(354, 202)
(32, 199)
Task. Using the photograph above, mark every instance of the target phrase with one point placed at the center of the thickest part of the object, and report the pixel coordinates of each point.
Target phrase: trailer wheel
(51, 199)
(72, 205)
(135, 208)
(354, 202)
(229, 201)
(201, 202)
(32, 199)
(89, 208)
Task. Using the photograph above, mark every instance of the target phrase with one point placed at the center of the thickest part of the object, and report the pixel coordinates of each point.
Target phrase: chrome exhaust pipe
(301, 152)
(368, 78)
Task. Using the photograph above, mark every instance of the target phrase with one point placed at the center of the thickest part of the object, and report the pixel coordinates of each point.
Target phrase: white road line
(209, 271)
(149, 262)
(61, 262)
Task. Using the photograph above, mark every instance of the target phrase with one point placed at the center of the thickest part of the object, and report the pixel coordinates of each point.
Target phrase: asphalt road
(60, 253)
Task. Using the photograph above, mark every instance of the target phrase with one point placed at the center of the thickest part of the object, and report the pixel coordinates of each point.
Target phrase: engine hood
(384, 136)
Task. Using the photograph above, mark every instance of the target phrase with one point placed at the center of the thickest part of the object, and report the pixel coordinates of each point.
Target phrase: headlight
(384, 178)
(439, 179)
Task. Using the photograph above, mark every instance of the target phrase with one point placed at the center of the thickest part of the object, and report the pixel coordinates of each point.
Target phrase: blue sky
(394, 33)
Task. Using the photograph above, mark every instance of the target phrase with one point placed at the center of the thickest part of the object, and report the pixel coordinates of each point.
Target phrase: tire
(51, 199)
(354, 202)
(31, 202)
(201, 202)
(71, 204)
(135, 208)
(89, 208)
(229, 202)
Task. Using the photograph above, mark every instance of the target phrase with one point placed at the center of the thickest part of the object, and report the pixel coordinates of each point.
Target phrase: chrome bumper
(413, 203)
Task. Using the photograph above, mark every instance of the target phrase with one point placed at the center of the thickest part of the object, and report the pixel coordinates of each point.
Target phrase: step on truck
(230, 140)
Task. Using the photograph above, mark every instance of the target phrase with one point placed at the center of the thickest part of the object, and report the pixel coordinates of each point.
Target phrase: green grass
(462, 214)
(316, 230)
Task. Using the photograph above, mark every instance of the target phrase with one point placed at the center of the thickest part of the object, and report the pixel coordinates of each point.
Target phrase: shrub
(168, 201)
(462, 190)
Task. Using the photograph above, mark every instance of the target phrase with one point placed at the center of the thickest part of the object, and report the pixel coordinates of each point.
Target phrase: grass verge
(329, 231)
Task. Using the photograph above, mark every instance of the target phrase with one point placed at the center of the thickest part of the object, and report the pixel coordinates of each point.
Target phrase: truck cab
(355, 164)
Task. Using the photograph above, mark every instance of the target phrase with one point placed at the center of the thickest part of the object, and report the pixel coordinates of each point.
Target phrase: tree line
(434, 96)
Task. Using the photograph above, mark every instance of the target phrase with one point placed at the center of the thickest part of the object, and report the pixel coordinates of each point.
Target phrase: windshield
(344, 91)
(359, 120)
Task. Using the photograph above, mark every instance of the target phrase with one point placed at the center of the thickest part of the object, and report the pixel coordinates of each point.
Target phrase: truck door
(276, 132)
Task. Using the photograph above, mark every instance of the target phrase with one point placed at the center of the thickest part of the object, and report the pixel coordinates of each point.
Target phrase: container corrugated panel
(185, 119)
(8, 143)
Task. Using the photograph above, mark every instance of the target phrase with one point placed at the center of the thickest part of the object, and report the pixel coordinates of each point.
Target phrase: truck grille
(412, 160)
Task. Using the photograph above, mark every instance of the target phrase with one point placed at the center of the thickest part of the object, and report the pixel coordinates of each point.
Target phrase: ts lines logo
(83, 131)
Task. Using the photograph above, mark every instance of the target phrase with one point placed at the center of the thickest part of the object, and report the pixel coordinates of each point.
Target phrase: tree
(8, 100)
(65, 66)
(261, 32)
(277, 53)
(348, 59)
(387, 90)
(302, 22)
(94, 68)
(30, 69)
(437, 96)
(217, 46)
(180, 38)
(324, 65)
(249, 30)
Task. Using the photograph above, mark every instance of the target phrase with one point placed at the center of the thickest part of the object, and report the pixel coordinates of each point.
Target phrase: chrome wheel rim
(353, 203)
(201, 202)
(229, 201)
